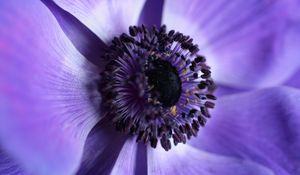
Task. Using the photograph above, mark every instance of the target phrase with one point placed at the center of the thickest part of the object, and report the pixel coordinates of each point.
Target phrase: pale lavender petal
(102, 148)
(247, 43)
(293, 6)
(294, 81)
(106, 18)
(223, 90)
(262, 126)
(48, 102)
(125, 163)
(184, 159)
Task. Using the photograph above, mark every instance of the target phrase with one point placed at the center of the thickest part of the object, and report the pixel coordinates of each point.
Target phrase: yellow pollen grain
(173, 110)
(184, 71)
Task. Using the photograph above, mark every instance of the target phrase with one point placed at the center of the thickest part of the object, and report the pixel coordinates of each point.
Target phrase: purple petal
(262, 126)
(184, 159)
(141, 160)
(294, 81)
(8, 166)
(104, 17)
(101, 150)
(151, 13)
(248, 44)
(125, 163)
(48, 102)
(85, 41)
(293, 6)
(227, 90)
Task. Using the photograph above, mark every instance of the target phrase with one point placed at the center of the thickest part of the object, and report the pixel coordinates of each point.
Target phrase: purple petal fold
(262, 126)
(105, 18)
(101, 150)
(151, 13)
(8, 166)
(294, 81)
(223, 90)
(247, 43)
(48, 99)
(184, 159)
(141, 160)
(85, 41)
(125, 163)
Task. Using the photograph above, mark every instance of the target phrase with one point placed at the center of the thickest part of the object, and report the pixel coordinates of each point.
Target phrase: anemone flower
(125, 87)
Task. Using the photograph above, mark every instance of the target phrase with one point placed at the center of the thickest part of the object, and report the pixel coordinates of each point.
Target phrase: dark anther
(186, 45)
(171, 33)
(127, 39)
(153, 142)
(205, 76)
(204, 111)
(205, 71)
(183, 57)
(178, 36)
(163, 29)
(201, 120)
(192, 112)
(209, 104)
(133, 31)
(195, 75)
(202, 85)
(195, 125)
(199, 59)
(192, 68)
(210, 96)
(116, 41)
(194, 49)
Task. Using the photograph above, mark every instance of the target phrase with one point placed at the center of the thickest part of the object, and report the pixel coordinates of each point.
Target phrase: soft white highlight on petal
(107, 18)
(184, 159)
(125, 163)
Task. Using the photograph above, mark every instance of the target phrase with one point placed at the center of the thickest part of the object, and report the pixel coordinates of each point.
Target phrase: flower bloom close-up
(149, 87)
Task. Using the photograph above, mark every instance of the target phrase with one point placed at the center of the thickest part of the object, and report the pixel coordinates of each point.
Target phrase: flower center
(156, 86)
(164, 79)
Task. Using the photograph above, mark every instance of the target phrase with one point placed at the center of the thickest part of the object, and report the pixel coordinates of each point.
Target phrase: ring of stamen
(156, 86)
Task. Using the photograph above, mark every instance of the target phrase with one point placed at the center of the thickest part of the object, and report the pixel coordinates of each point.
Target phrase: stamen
(156, 86)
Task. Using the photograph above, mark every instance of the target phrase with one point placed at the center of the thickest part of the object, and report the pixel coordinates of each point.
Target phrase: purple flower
(68, 87)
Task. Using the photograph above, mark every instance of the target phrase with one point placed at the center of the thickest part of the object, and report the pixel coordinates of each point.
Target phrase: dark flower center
(156, 86)
(164, 79)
